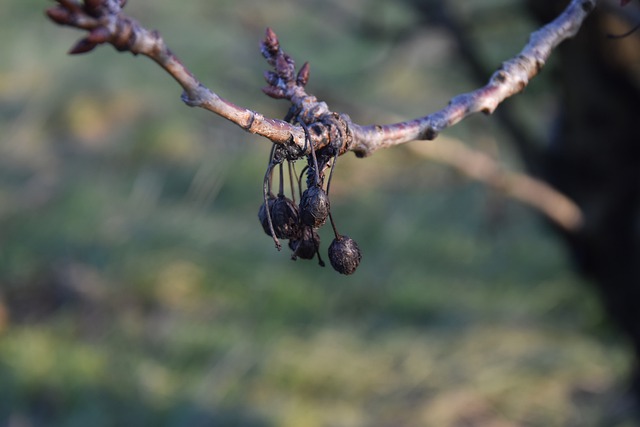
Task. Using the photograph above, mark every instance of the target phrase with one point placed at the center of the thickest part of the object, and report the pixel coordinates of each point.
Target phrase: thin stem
(333, 225)
(313, 151)
(304, 170)
(266, 192)
(266, 206)
(291, 172)
(333, 166)
(625, 34)
(281, 184)
(271, 154)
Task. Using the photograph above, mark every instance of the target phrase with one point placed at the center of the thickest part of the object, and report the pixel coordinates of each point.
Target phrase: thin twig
(512, 77)
(477, 165)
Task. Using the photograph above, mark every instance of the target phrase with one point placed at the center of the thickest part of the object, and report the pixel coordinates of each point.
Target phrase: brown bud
(274, 92)
(344, 255)
(303, 75)
(271, 41)
(59, 15)
(82, 46)
(123, 3)
(98, 35)
(284, 68)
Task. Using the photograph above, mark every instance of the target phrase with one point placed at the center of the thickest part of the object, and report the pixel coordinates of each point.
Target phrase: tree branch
(107, 24)
(479, 166)
(512, 77)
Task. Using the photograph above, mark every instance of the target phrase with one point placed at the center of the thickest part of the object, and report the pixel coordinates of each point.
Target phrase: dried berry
(314, 206)
(284, 215)
(264, 212)
(344, 255)
(307, 245)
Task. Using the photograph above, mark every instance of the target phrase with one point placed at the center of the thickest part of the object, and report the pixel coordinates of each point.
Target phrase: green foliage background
(137, 287)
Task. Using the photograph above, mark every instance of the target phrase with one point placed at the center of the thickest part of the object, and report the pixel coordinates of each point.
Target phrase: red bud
(98, 35)
(82, 46)
(274, 92)
(303, 75)
(59, 15)
(271, 40)
(284, 68)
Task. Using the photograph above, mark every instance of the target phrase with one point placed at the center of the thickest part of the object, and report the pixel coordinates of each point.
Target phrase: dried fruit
(314, 206)
(264, 212)
(344, 255)
(279, 216)
(306, 246)
(284, 215)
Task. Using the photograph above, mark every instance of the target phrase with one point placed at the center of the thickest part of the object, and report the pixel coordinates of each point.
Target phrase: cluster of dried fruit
(282, 218)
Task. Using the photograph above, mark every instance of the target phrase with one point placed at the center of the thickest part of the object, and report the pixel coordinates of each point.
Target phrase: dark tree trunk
(594, 158)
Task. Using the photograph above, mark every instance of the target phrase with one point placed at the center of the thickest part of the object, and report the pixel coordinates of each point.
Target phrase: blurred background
(138, 288)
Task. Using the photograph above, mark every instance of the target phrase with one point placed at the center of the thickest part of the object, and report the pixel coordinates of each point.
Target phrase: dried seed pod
(264, 212)
(284, 215)
(306, 245)
(344, 255)
(314, 206)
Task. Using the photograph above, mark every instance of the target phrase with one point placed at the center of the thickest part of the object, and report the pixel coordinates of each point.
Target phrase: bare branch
(510, 79)
(107, 24)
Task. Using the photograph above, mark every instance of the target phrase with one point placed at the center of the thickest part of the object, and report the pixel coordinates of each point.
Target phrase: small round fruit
(344, 255)
(314, 206)
(284, 215)
(307, 245)
(264, 212)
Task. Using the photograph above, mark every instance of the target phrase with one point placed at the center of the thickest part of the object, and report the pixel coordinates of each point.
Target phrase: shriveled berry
(344, 255)
(284, 215)
(314, 206)
(264, 211)
(306, 245)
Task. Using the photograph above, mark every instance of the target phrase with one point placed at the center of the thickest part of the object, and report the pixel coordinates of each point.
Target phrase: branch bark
(106, 23)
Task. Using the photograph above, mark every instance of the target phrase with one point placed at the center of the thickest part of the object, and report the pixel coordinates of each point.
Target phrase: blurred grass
(137, 288)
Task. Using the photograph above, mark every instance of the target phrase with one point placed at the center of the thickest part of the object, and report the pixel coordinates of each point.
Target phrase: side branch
(557, 207)
(512, 77)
